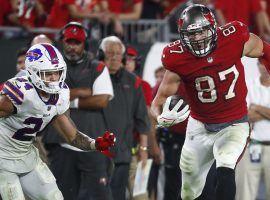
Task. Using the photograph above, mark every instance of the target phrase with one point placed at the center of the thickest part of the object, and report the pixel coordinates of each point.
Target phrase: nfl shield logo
(49, 108)
(209, 59)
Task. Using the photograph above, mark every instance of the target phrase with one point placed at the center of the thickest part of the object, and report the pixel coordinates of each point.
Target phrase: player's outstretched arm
(6, 106)
(253, 47)
(168, 87)
(65, 126)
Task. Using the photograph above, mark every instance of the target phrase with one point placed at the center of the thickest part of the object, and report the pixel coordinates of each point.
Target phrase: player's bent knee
(187, 162)
(11, 191)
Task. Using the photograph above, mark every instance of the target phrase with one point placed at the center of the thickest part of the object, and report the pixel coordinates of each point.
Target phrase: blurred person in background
(72, 10)
(20, 64)
(121, 10)
(252, 13)
(255, 163)
(82, 175)
(41, 38)
(159, 74)
(125, 113)
(133, 63)
(6, 10)
(23, 13)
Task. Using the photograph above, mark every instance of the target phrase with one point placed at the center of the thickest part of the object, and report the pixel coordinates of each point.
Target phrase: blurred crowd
(56, 13)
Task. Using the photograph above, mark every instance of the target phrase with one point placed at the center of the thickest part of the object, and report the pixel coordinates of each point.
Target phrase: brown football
(174, 101)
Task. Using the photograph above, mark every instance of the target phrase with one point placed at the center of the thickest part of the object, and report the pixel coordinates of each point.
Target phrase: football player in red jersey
(206, 60)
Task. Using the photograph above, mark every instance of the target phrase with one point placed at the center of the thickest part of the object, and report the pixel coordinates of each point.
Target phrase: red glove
(105, 142)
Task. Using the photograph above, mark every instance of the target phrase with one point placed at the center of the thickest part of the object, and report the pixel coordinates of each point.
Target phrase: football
(174, 101)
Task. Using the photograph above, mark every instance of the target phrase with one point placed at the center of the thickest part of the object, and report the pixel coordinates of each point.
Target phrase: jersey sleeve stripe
(13, 93)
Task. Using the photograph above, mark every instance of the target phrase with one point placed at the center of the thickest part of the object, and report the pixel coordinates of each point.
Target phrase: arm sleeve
(103, 84)
(12, 90)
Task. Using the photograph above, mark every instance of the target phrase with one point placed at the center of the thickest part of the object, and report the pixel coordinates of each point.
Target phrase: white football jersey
(32, 116)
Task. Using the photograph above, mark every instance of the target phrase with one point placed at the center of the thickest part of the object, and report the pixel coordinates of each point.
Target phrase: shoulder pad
(172, 52)
(236, 30)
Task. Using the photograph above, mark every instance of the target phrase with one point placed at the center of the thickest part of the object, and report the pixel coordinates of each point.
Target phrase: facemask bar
(200, 47)
(39, 80)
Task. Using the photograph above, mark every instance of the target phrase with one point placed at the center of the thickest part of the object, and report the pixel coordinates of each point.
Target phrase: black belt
(260, 142)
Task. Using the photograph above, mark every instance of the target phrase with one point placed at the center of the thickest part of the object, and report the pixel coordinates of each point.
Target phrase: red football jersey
(59, 8)
(215, 84)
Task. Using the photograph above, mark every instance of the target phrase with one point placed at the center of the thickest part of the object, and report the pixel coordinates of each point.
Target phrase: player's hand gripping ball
(175, 110)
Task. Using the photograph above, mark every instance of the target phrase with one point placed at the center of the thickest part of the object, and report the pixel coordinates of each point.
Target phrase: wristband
(143, 148)
(93, 145)
(74, 103)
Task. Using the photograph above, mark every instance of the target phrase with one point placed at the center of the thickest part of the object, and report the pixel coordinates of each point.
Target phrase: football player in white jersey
(27, 105)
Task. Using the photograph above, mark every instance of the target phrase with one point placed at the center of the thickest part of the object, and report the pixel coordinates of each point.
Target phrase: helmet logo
(180, 22)
(74, 31)
(33, 55)
(209, 17)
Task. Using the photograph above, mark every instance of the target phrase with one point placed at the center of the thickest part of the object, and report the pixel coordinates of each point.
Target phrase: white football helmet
(41, 60)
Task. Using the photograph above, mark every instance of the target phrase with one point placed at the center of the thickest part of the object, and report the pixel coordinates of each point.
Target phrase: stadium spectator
(20, 65)
(124, 10)
(159, 74)
(251, 13)
(265, 17)
(169, 5)
(152, 9)
(133, 63)
(81, 175)
(41, 38)
(207, 60)
(30, 13)
(23, 13)
(47, 5)
(5, 11)
(71, 10)
(255, 162)
(125, 113)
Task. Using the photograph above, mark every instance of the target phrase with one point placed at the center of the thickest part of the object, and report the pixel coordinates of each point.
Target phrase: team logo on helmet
(33, 55)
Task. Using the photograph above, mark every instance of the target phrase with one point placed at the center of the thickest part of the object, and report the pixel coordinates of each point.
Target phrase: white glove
(171, 117)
